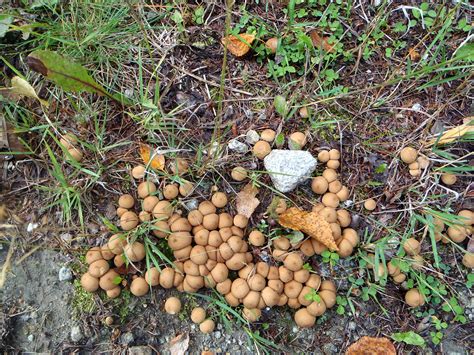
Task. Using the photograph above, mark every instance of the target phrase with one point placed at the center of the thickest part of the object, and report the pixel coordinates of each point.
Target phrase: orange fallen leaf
(321, 42)
(372, 346)
(310, 223)
(238, 45)
(246, 202)
(150, 158)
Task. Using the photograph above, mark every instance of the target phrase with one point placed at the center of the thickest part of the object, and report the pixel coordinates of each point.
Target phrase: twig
(7, 264)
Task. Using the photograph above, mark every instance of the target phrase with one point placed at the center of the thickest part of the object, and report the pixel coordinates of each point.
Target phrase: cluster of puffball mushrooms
(69, 142)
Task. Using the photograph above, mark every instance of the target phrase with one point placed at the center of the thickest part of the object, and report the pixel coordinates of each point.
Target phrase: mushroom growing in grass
(138, 172)
(414, 298)
(198, 315)
(207, 326)
(261, 149)
(173, 305)
(139, 287)
(268, 135)
(297, 141)
(239, 173)
(370, 204)
(448, 179)
(408, 155)
(412, 246)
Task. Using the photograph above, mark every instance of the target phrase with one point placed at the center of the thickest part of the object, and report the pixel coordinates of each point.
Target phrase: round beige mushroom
(239, 173)
(173, 305)
(261, 149)
(408, 155)
(297, 141)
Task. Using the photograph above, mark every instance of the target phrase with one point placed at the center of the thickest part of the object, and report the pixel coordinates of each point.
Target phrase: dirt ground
(171, 69)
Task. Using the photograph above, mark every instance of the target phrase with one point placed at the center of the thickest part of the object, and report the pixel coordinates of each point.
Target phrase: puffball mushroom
(408, 155)
(272, 44)
(261, 149)
(126, 201)
(173, 305)
(467, 217)
(98, 268)
(207, 326)
(114, 293)
(334, 154)
(448, 179)
(268, 135)
(319, 185)
(457, 233)
(93, 254)
(185, 188)
(370, 204)
(89, 283)
(108, 280)
(180, 166)
(293, 262)
(343, 194)
(139, 287)
(297, 141)
(252, 315)
(129, 220)
(238, 173)
(219, 199)
(333, 164)
(68, 140)
(304, 319)
(240, 221)
(256, 238)
(304, 112)
(330, 200)
(414, 298)
(116, 243)
(135, 251)
(330, 175)
(323, 156)
(152, 276)
(468, 260)
(138, 172)
(146, 188)
(412, 246)
(198, 315)
(170, 191)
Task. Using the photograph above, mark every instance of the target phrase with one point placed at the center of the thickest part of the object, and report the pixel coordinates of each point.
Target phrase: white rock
(252, 137)
(76, 334)
(65, 274)
(237, 146)
(289, 168)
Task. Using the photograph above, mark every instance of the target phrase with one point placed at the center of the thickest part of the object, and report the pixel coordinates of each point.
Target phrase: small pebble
(252, 137)
(76, 334)
(31, 337)
(65, 274)
(237, 146)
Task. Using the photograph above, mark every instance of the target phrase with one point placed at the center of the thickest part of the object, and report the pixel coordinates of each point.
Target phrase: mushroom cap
(198, 315)
(240, 221)
(116, 243)
(467, 217)
(408, 155)
(261, 149)
(343, 194)
(252, 315)
(139, 287)
(272, 45)
(333, 164)
(412, 246)
(185, 188)
(316, 309)
(239, 173)
(129, 220)
(68, 140)
(152, 276)
(138, 172)
(219, 199)
(207, 326)
(457, 233)
(180, 166)
(89, 283)
(330, 175)
(220, 273)
(251, 300)
(343, 218)
(329, 298)
(172, 305)
(199, 255)
(76, 154)
(398, 279)
(146, 188)
(93, 254)
(113, 293)
(285, 274)
(256, 238)
(240, 288)
(330, 200)
(323, 156)
(414, 298)
(195, 218)
(270, 296)
(335, 186)
(304, 319)
(167, 277)
(448, 179)
(292, 289)
(207, 207)
(108, 280)
(304, 112)
(319, 185)
(135, 251)
(334, 154)
(256, 282)
(468, 260)
(370, 204)
(126, 201)
(297, 140)
(345, 248)
(268, 135)
(98, 268)
(293, 262)
(170, 191)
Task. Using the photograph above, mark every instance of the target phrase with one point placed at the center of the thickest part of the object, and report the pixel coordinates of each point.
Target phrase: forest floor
(374, 77)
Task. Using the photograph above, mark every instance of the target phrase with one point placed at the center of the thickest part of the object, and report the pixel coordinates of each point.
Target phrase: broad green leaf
(410, 338)
(466, 52)
(5, 21)
(70, 76)
(22, 88)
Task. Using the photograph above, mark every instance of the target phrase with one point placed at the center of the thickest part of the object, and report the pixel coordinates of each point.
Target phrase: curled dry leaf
(310, 223)
(414, 55)
(372, 346)
(179, 344)
(454, 133)
(22, 88)
(150, 158)
(238, 45)
(246, 202)
(321, 42)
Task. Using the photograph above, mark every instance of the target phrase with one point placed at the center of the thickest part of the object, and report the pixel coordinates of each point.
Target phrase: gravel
(237, 146)
(252, 137)
(65, 274)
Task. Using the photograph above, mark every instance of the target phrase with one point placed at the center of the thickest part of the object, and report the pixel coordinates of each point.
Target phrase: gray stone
(65, 274)
(31, 337)
(217, 334)
(289, 168)
(453, 348)
(127, 338)
(192, 204)
(76, 334)
(252, 137)
(237, 146)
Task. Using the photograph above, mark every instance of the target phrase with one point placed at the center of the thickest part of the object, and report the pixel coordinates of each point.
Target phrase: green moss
(82, 301)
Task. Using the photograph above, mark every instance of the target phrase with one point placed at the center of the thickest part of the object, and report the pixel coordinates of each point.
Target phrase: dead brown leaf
(238, 45)
(454, 133)
(414, 55)
(179, 344)
(310, 223)
(247, 202)
(150, 158)
(321, 42)
(372, 346)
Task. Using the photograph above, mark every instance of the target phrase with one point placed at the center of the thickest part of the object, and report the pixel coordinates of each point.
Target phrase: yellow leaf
(23, 88)
(310, 223)
(238, 45)
(454, 133)
(150, 158)
(246, 202)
